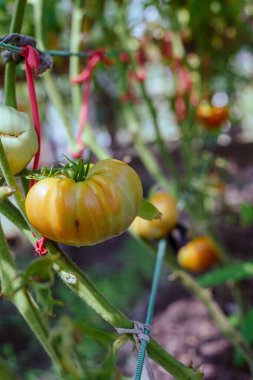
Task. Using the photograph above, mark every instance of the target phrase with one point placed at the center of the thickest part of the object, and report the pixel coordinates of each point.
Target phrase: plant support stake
(150, 311)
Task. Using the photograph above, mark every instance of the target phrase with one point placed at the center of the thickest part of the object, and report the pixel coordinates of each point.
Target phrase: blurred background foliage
(191, 51)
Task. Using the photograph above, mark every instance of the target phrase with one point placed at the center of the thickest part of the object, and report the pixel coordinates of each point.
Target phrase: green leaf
(103, 337)
(5, 371)
(247, 333)
(234, 272)
(148, 211)
(246, 213)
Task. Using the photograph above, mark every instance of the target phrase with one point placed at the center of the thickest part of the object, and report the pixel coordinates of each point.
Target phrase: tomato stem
(10, 70)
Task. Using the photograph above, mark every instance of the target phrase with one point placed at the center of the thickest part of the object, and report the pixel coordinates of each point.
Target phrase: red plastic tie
(40, 246)
(184, 85)
(32, 62)
(85, 77)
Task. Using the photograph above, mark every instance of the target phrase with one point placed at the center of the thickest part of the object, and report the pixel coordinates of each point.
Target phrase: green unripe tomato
(18, 137)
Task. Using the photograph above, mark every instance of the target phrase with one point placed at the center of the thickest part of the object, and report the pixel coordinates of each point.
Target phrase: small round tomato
(156, 229)
(86, 212)
(18, 137)
(198, 255)
(211, 116)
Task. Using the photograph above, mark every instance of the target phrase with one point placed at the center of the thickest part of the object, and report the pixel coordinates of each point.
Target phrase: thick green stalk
(160, 356)
(8, 271)
(10, 71)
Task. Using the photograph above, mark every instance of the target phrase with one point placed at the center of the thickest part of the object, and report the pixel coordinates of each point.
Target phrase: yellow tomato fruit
(86, 212)
(158, 228)
(198, 255)
(18, 137)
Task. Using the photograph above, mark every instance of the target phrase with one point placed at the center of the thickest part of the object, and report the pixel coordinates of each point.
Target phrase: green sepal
(41, 267)
(148, 211)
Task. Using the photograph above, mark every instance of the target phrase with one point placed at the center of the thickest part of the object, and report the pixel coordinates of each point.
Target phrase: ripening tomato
(18, 137)
(86, 212)
(198, 255)
(156, 229)
(211, 116)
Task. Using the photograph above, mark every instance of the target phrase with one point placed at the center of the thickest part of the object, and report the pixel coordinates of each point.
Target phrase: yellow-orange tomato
(198, 255)
(87, 212)
(211, 116)
(156, 229)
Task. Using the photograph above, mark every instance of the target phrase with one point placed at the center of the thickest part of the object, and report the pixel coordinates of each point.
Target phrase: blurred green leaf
(6, 373)
(148, 211)
(234, 272)
(246, 213)
(247, 333)
(104, 337)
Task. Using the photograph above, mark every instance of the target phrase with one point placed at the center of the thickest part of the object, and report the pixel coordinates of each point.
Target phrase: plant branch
(10, 71)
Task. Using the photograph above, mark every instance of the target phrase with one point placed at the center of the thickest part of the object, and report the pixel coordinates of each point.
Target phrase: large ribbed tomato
(89, 211)
(198, 255)
(156, 229)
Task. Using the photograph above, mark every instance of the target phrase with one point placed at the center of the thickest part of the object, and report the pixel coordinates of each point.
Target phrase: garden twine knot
(140, 332)
(21, 40)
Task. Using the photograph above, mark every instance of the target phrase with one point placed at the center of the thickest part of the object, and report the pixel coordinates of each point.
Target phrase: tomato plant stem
(10, 71)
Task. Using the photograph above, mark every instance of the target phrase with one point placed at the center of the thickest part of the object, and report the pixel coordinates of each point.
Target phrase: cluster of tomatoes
(198, 255)
(79, 206)
(86, 205)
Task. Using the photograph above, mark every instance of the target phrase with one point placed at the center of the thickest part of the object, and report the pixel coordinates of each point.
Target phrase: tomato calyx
(78, 171)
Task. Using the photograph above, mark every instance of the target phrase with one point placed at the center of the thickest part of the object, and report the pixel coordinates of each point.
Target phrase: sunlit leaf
(148, 211)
